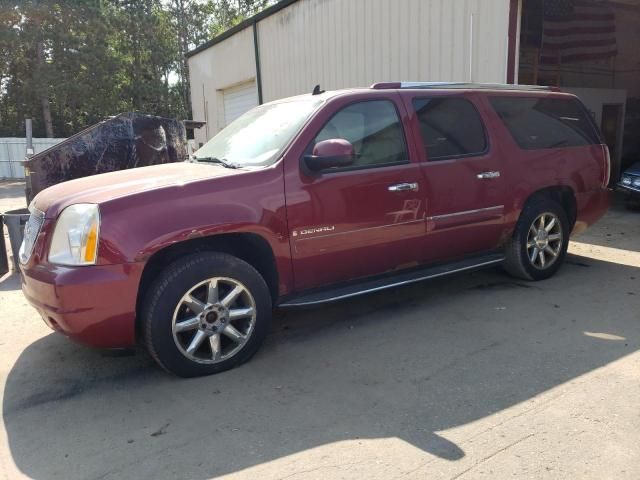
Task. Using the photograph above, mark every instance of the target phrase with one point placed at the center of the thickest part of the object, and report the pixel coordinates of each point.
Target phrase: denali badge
(309, 231)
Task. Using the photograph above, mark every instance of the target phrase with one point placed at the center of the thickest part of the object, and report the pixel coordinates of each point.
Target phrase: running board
(375, 284)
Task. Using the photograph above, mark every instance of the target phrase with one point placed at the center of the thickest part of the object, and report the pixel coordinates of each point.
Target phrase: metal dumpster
(127, 140)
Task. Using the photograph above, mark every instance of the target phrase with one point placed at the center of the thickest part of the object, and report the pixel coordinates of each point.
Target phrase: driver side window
(374, 130)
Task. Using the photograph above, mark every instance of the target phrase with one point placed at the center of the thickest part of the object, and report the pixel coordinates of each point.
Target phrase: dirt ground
(476, 376)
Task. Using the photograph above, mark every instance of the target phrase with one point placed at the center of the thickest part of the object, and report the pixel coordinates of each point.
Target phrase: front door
(464, 185)
(361, 220)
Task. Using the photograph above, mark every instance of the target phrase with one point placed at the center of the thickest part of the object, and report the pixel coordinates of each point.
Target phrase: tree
(195, 22)
(191, 23)
(58, 55)
(68, 64)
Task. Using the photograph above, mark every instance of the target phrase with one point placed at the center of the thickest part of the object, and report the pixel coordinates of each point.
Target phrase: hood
(107, 186)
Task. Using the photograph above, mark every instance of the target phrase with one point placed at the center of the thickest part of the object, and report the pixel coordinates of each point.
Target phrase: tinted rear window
(539, 123)
(450, 127)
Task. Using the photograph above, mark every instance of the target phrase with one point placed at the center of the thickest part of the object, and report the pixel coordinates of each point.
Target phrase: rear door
(464, 181)
(361, 220)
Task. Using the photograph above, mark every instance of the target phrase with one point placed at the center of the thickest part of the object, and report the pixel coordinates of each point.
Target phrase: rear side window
(450, 127)
(539, 123)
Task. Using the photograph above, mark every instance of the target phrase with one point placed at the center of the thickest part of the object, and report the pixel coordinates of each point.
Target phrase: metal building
(587, 46)
(296, 44)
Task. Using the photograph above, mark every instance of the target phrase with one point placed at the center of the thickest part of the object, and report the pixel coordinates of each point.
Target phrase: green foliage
(84, 60)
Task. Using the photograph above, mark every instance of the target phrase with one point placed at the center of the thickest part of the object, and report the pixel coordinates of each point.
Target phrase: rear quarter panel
(528, 171)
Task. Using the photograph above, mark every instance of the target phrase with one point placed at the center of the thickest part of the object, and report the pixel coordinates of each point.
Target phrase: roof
(459, 86)
(267, 12)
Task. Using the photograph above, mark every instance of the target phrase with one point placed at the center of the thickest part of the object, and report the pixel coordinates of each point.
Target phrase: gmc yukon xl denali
(309, 200)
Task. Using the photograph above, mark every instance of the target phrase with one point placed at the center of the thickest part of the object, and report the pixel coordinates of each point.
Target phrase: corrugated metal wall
(346, 43)
(12, 152)
(341, 43)
(222, 66)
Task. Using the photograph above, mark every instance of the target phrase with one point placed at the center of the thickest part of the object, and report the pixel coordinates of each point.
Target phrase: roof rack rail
(460, 86)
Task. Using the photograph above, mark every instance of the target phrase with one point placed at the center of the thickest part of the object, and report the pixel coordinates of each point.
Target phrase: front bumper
(94, 305)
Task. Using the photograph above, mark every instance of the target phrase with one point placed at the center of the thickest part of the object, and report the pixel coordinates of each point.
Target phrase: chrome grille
(31, 230)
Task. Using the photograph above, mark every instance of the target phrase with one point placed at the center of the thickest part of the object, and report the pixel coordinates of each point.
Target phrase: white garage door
(238, 100)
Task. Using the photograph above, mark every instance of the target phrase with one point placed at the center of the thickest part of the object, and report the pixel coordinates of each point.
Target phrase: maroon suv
(310, 200)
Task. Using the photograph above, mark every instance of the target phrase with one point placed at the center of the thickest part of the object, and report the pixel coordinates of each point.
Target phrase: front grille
(31, 230)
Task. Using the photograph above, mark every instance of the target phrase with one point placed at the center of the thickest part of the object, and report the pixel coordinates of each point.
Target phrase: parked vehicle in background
(629, 184)
(314, 199)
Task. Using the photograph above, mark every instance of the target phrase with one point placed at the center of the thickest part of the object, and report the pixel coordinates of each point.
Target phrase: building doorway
(589, 47)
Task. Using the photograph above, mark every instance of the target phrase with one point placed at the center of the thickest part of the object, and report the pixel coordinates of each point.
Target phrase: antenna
(317, 90)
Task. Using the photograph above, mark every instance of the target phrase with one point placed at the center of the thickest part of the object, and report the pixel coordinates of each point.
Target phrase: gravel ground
(476, 376)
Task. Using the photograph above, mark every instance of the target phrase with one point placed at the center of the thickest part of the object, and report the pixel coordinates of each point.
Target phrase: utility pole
(28, 124)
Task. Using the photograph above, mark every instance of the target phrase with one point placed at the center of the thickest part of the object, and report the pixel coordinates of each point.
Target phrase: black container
(15, 220)
(4, 261)
(127, 140)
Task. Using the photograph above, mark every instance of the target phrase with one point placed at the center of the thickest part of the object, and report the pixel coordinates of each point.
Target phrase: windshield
(257, 137)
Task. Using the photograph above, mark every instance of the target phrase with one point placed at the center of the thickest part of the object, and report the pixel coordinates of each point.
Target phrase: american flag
(577, 31)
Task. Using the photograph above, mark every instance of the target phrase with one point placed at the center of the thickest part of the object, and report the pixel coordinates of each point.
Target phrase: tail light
(606, 171)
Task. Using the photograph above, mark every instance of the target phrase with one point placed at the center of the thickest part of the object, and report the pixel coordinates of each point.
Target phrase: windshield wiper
(220, 161)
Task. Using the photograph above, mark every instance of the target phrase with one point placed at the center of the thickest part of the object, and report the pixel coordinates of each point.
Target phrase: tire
(187, 300)
(523, 245)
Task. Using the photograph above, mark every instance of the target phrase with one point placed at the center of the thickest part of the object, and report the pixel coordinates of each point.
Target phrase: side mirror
(331, 153)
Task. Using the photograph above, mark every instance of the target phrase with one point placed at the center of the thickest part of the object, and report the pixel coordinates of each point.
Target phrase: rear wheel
(206, 313)
(539, 243)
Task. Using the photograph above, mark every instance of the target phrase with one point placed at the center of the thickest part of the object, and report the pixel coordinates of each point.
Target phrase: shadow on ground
(405, 363)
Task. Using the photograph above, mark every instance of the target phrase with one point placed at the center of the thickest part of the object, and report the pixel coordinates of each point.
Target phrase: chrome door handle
(488, 175)
(404, 187)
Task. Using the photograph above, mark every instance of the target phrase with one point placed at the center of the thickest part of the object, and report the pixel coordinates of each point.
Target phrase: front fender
(134, 227)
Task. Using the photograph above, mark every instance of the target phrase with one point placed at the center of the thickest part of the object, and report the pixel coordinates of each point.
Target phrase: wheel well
(251, 248)
(564, 196)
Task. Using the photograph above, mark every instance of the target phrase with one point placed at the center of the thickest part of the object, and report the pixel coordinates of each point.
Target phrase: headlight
(636, 182)
(31, 231)
(75, 238)
(626, 180)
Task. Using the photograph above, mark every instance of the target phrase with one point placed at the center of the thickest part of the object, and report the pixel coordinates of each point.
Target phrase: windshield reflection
(257, 137)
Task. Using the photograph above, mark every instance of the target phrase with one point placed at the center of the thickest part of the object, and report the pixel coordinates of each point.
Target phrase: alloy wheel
(544, 240)
(214, 320)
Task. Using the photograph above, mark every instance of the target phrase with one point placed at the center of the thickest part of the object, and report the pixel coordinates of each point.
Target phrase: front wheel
(539, 243)
(206, 313)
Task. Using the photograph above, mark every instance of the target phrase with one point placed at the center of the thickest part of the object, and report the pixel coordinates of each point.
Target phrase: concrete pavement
(475, 376)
